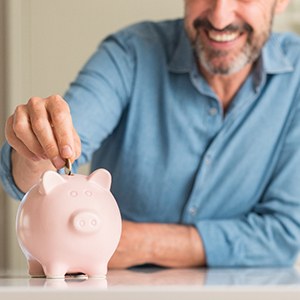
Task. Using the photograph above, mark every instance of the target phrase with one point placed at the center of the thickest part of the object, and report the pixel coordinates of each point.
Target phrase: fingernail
(66, 151)
(58, 162)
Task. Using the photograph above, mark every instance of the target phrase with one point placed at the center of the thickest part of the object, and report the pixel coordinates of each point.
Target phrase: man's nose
(222, 13)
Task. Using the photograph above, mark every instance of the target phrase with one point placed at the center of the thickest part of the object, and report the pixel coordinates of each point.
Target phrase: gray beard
(249, 55)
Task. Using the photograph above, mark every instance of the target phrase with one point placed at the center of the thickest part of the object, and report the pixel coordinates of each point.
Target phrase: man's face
(228, 34)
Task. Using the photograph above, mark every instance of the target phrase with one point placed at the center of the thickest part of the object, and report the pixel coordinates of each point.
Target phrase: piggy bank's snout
(86, 222)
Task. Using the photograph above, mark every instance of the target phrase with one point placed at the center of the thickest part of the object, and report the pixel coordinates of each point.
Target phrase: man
(199, 123)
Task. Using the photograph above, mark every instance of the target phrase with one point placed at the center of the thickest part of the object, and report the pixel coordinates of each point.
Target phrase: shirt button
(193, 211)
(213, 111)
(207, 159)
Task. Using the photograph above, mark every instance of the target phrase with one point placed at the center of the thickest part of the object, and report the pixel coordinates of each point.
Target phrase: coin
(68, 167)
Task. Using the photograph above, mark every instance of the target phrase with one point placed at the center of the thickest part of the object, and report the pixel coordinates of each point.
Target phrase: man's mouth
(226, 35)
(222, 37)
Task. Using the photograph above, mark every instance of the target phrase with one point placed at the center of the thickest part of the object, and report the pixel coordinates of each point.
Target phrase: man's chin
(221, 67)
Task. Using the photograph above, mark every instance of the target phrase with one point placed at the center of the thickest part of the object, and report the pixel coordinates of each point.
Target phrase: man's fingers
(62, 125)
(43, 131)
(15, 143)
(21, 127)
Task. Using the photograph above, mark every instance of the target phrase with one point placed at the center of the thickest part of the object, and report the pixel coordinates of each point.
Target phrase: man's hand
(166, 245)
(43, 129)
(40, 131)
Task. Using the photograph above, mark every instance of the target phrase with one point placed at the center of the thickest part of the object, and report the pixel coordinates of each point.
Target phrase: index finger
(40, 125)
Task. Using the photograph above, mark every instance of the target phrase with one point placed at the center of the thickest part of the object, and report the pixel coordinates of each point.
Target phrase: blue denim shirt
(144, 112)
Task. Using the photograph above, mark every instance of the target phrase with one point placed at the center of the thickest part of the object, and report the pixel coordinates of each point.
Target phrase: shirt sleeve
(6, 173)
(97, 99)
(270, 234)
(101, 92)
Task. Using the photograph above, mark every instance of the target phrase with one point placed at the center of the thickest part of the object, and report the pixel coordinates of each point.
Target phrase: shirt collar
(183, 58)
(272, 60)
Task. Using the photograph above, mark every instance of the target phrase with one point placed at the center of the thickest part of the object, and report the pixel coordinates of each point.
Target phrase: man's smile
(222, 37)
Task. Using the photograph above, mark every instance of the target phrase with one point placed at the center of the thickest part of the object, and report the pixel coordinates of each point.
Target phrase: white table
(159, 284)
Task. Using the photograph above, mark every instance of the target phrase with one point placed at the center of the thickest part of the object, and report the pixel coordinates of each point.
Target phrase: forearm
(167, 245)
(26, 172)
(175, 245)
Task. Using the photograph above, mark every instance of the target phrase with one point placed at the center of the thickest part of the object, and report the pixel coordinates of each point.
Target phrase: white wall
(47, 41)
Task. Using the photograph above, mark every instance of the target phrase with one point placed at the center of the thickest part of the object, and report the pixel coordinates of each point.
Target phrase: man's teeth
(222, 37)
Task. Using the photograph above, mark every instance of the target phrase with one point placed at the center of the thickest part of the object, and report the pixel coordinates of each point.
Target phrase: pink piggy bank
(69, 224)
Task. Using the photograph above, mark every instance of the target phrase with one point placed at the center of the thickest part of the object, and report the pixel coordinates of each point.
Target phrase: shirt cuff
(220, 249)
(236, 243)
(6, 173)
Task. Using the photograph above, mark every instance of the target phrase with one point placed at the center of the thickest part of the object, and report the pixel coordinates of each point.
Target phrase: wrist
(26, 172)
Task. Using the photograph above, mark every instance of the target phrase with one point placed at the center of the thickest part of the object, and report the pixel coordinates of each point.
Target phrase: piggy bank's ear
(49, 181)
(101, 177)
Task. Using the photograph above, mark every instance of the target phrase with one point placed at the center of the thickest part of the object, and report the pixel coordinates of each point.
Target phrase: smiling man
(198, 120)
(228, 37)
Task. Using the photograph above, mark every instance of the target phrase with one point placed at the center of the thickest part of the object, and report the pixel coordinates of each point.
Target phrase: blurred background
(43, 44)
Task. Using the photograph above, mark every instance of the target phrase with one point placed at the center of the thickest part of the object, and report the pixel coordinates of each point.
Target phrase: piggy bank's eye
(73, 194)
(88, 193)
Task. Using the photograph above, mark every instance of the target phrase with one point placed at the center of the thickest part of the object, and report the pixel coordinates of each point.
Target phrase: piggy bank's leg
(55, 270)
(97, 271)
(35, 269)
